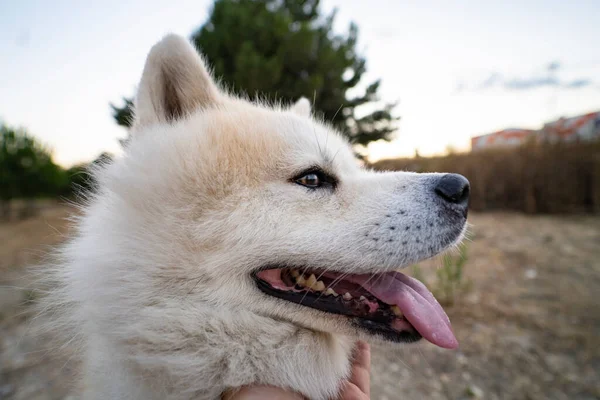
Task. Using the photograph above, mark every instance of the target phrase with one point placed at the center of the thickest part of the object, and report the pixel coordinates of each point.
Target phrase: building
(575, 129)
(581, 128)
(503, 138)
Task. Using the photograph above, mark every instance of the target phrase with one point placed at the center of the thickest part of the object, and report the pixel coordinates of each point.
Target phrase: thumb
(261, 393)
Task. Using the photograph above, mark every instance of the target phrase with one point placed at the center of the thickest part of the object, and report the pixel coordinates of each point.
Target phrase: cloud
(493, 80)
(579, 83)
(531, 83)
(547, 78)
(554, 66)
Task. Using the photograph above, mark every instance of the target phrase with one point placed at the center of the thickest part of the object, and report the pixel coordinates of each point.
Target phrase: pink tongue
(415, 301)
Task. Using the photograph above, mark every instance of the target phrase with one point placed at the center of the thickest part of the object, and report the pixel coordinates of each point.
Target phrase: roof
(569, 126)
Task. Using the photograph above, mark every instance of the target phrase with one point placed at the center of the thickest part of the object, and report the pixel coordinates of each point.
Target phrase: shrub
(534, 178)
(450, 282)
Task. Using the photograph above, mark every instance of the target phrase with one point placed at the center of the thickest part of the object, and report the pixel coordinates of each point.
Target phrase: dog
(239, 243)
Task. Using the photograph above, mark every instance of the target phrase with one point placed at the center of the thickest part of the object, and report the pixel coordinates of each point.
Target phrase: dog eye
(312, 180)
(315, 178)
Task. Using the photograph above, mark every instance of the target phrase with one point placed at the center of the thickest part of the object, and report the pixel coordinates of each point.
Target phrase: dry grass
(561, 178)
(27, 241)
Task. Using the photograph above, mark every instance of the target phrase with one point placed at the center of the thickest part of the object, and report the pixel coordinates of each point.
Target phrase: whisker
(336, 113)
(328, 130)
(336, 153)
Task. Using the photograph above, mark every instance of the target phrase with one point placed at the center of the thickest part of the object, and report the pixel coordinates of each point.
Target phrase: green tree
(284, 49)
(26, 170)
(123, 114)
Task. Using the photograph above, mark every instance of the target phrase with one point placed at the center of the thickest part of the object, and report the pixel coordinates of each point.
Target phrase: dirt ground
(529, 328)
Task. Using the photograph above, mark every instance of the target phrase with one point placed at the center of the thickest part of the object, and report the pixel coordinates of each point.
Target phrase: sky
(456, 68)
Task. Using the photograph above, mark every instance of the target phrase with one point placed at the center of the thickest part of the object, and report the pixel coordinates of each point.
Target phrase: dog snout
(454, 188)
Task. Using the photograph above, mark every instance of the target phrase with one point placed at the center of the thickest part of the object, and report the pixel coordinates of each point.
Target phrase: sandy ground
(529, 328)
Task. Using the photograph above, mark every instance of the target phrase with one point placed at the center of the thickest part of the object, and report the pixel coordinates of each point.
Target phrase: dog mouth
(391, 304)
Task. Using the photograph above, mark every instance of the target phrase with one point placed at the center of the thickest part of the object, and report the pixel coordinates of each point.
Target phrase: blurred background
(505, 93)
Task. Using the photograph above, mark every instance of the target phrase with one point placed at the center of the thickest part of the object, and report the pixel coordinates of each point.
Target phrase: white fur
(301, 107)
(156, 283)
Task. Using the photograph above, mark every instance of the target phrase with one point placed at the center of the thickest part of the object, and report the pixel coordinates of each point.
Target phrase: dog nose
(453, 188)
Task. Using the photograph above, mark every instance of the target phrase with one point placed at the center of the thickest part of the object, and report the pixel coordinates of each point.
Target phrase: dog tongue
(415, 301)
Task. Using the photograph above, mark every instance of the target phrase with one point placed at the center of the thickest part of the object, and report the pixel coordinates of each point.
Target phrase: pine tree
(283, 50)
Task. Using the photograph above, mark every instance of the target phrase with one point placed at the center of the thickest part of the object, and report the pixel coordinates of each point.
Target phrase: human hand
(356, 388)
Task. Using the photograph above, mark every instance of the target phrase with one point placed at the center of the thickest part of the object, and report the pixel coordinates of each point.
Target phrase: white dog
(236, 243)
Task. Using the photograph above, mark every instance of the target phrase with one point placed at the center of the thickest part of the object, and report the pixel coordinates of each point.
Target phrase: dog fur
(156, 282)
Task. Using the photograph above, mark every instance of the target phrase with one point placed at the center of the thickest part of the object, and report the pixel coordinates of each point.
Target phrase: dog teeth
(396, 310)
(361, 298)
(330, 292)
(319, 286)
(311, 281)
(347, 296)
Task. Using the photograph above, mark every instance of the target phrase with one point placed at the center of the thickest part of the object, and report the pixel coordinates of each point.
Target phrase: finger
(361, 367)
(352, 392)
(261, 393)
(362, 355)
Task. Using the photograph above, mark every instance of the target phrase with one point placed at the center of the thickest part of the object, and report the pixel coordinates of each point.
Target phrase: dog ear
(301, 107)
(174, 83)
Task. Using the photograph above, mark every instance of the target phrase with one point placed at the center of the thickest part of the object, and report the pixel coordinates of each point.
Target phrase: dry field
(529, 328)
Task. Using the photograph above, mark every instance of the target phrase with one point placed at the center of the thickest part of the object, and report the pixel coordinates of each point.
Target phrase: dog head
(222, 203)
